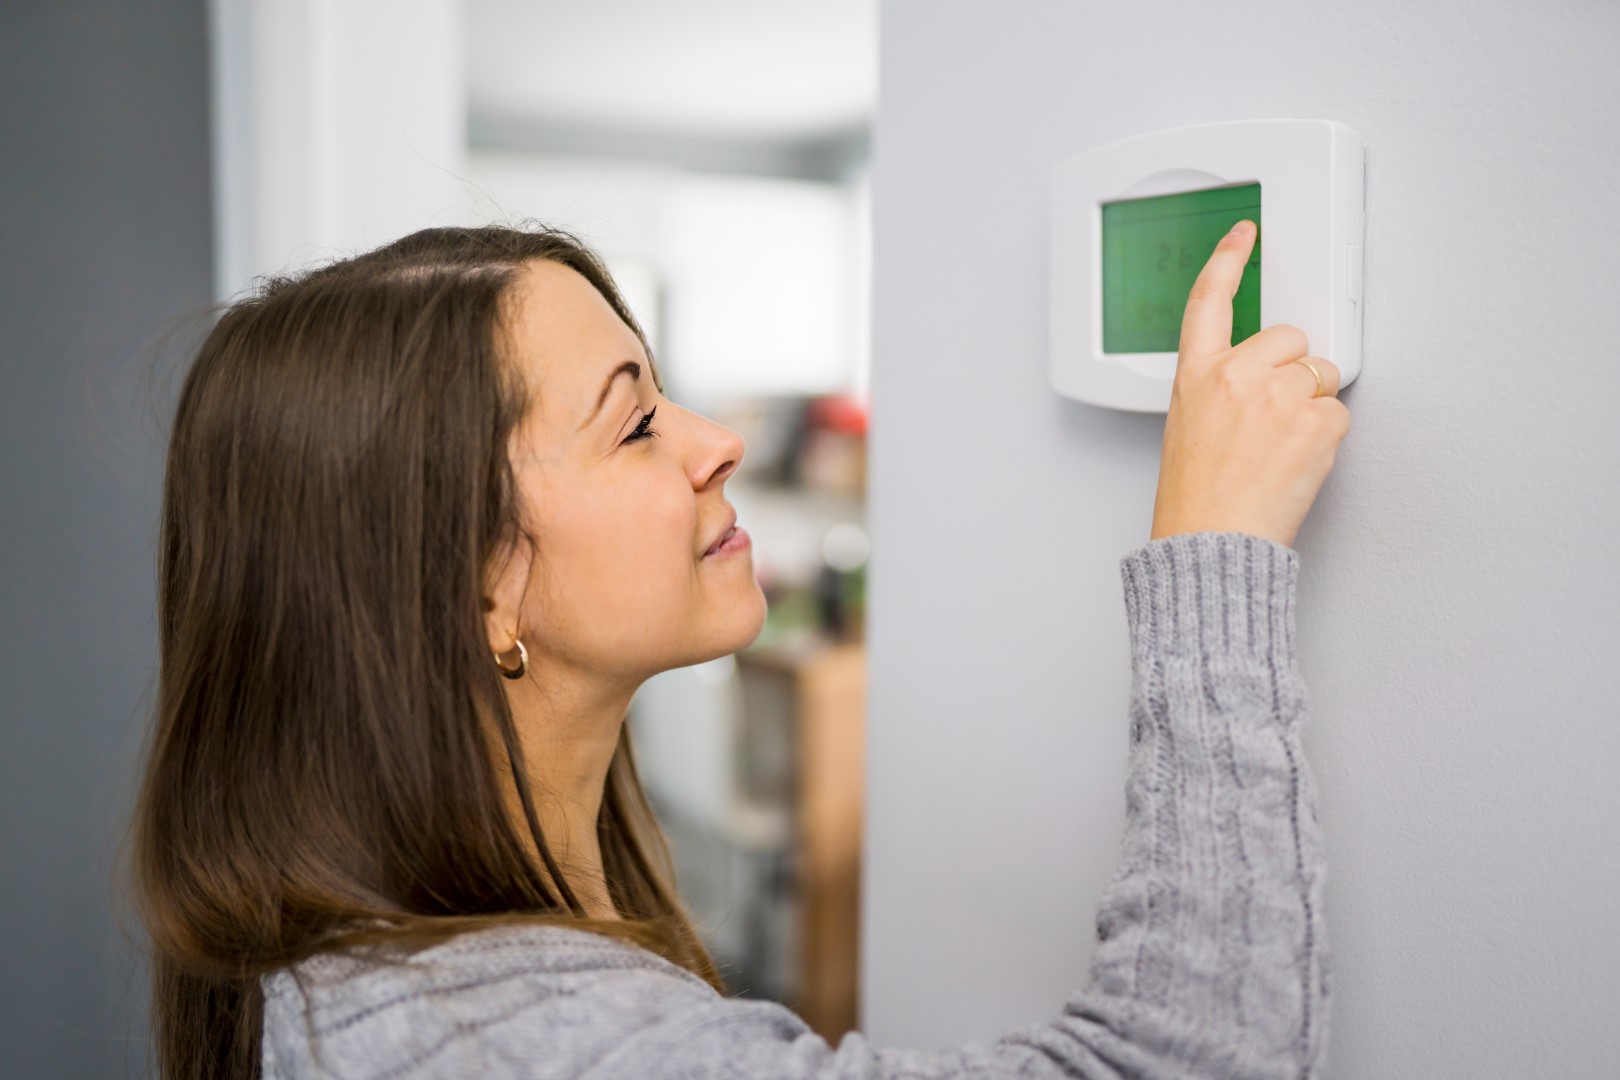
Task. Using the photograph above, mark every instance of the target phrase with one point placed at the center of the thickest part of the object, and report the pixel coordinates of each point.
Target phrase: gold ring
(1315, 372)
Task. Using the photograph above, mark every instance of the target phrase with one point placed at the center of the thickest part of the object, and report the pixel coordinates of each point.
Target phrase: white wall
(1459, 609)
(746, 285)
(338, 125)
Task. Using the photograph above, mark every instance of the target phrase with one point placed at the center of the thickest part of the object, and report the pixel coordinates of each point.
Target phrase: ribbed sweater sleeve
(1211, 958)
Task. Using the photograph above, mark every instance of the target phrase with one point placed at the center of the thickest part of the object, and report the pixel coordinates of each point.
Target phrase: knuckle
(1341, 417)
(1292, 337)
(1330, 420)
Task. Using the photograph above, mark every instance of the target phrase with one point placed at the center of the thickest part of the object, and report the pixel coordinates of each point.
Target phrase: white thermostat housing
(1134, 221)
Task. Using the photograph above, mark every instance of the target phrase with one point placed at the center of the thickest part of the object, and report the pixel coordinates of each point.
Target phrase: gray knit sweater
(1211, 958)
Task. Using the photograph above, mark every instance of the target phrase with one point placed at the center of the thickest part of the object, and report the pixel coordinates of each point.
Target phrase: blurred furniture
(802, 751)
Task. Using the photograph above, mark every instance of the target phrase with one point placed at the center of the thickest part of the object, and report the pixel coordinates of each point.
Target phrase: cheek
(622, 563)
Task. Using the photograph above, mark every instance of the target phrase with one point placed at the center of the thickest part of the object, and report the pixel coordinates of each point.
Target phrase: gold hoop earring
(523, 662)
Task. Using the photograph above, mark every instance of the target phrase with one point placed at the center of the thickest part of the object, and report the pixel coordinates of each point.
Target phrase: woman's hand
(1246, 447)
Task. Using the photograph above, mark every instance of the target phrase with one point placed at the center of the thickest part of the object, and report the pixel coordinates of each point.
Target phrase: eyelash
(642, 431)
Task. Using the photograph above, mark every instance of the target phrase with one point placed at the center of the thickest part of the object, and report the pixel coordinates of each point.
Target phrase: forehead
(566, 339)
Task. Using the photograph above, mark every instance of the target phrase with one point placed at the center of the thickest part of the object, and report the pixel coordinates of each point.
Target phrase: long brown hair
(320, 773)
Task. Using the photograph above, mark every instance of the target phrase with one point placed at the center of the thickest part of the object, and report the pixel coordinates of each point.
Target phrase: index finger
(1206, 327)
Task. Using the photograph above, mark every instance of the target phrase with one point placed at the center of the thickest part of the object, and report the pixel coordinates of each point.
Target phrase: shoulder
(530, 994)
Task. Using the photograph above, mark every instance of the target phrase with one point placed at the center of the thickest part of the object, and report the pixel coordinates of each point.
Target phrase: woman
(429, 522)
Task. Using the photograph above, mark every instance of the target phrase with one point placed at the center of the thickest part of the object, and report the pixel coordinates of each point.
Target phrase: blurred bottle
(841, 583)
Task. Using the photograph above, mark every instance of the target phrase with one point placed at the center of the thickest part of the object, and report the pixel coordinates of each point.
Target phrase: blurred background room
(715, 152)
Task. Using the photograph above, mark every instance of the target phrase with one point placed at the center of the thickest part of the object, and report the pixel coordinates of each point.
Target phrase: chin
(743, 623)
(749, 618)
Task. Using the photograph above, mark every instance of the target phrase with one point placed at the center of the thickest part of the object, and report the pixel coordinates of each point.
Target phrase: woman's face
(619, 585)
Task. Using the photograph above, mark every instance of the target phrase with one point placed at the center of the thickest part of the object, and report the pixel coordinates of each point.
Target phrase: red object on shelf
(839, 412)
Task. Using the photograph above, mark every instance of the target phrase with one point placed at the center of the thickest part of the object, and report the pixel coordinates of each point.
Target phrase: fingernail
(1239, 229)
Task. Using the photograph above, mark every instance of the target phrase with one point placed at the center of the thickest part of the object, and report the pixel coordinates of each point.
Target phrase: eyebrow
(629, 367)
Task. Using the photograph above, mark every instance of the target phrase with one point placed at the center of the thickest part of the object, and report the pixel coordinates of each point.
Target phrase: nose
(720, 455)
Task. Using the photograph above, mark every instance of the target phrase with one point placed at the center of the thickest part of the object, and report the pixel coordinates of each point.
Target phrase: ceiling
(726, 69)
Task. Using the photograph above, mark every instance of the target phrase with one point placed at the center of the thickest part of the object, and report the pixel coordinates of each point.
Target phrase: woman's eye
(643, 431)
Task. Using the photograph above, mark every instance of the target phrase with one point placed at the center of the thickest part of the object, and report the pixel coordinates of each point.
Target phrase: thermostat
(1133, 222)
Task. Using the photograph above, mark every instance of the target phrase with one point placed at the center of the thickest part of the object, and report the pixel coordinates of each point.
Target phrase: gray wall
(104, 238)
(1459, 608)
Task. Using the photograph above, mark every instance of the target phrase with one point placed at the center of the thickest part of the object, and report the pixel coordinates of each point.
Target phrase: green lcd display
(1152, 250)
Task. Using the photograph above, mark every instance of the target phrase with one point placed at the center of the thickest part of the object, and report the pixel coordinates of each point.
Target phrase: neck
(568, 736)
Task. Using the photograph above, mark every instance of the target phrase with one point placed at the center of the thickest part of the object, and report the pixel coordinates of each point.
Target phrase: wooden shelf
(805, 709)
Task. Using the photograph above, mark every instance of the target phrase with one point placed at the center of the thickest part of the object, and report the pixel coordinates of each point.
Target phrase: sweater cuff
(1211, 593)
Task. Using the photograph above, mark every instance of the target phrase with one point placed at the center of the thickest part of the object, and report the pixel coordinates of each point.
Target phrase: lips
(725, 530)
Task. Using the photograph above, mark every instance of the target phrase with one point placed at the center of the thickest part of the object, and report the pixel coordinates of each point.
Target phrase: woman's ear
(506, 579)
